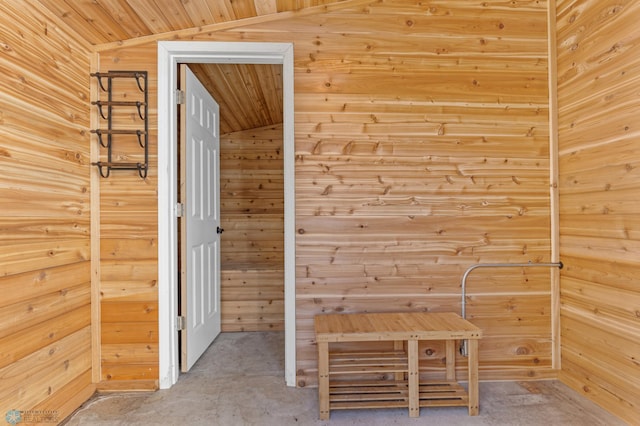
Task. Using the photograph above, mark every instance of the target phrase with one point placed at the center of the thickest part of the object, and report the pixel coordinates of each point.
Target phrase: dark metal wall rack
(105, 109)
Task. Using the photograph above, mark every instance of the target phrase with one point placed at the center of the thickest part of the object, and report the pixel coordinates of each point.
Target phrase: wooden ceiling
(250, 96)
(107, 21)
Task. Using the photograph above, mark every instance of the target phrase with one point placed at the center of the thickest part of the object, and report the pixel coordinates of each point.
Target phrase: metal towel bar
(463, 306)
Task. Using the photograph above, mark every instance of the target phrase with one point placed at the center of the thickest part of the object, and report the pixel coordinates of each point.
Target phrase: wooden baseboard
(127, 386)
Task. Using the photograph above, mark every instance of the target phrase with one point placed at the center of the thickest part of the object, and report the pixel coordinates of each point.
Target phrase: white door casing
(200, 184)
(170, 54)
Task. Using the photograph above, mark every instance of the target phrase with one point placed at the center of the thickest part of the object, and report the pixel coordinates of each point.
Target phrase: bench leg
(473, 377)
(450, 356)
(323, 380)
(414, 378)
(398, 345)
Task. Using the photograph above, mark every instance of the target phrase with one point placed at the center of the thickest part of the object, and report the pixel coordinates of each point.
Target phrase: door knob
(219, 230)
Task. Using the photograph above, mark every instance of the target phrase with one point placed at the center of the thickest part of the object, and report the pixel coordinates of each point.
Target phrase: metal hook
(99, 104)
(100, 167)
(140, 133)
(139, 76)
(139, 106)
(100, 77)
(142, 170)
(99, 133)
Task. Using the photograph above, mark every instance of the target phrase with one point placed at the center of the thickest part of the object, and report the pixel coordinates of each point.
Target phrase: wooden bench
(340, 382)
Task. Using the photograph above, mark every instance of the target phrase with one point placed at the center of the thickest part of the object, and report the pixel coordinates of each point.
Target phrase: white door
(200, 226)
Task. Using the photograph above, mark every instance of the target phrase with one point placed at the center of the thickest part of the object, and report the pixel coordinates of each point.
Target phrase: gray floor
(240, 381)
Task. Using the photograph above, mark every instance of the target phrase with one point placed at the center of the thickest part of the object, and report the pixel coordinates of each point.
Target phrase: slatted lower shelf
(368, 394)
(443, 394)
(345, 395)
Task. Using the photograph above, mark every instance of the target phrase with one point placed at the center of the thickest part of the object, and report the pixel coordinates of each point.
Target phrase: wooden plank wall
(45, 274)
(422, 147)
(599, 82)
(252, 245)
(128, 245)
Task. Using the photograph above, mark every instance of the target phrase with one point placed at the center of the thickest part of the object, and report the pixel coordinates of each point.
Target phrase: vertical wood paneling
(252, 246)
(422, 147)
(598, 82)
(45, 319)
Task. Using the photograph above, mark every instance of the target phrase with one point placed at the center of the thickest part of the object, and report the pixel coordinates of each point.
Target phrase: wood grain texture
(598, 75)
(113, 20)
(128, 253)
(249, 95)
(422, 147)
(45, 319)
(252, 246)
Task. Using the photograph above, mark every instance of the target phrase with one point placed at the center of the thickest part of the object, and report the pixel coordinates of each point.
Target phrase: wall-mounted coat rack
(106, 108)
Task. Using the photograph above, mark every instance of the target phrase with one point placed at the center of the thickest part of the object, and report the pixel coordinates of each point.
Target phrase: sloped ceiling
(105, 21)
(250, 96)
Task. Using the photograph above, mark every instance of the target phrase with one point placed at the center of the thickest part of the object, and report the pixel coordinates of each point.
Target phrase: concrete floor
(240, 381)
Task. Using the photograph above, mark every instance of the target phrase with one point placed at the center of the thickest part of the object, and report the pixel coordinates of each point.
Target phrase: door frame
(170, 54)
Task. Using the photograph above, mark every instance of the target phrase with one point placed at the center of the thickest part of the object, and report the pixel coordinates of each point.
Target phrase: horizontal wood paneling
(69, 397)
(405, 164)
(18, 257)
(458, 87)
(45, 315)
(34, 378)
(129, 353)
(422, 147)
(128, 249)
(129, 374)
(252, 246)
(122, 332)
(598, 79)
(42, 334)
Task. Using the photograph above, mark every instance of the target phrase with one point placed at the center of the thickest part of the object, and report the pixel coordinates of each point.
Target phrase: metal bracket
(179, 209)
(181, 323)
(180, 97)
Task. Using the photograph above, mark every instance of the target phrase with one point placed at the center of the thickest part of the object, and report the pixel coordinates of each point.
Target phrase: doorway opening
(170, 54)
(247, 286)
